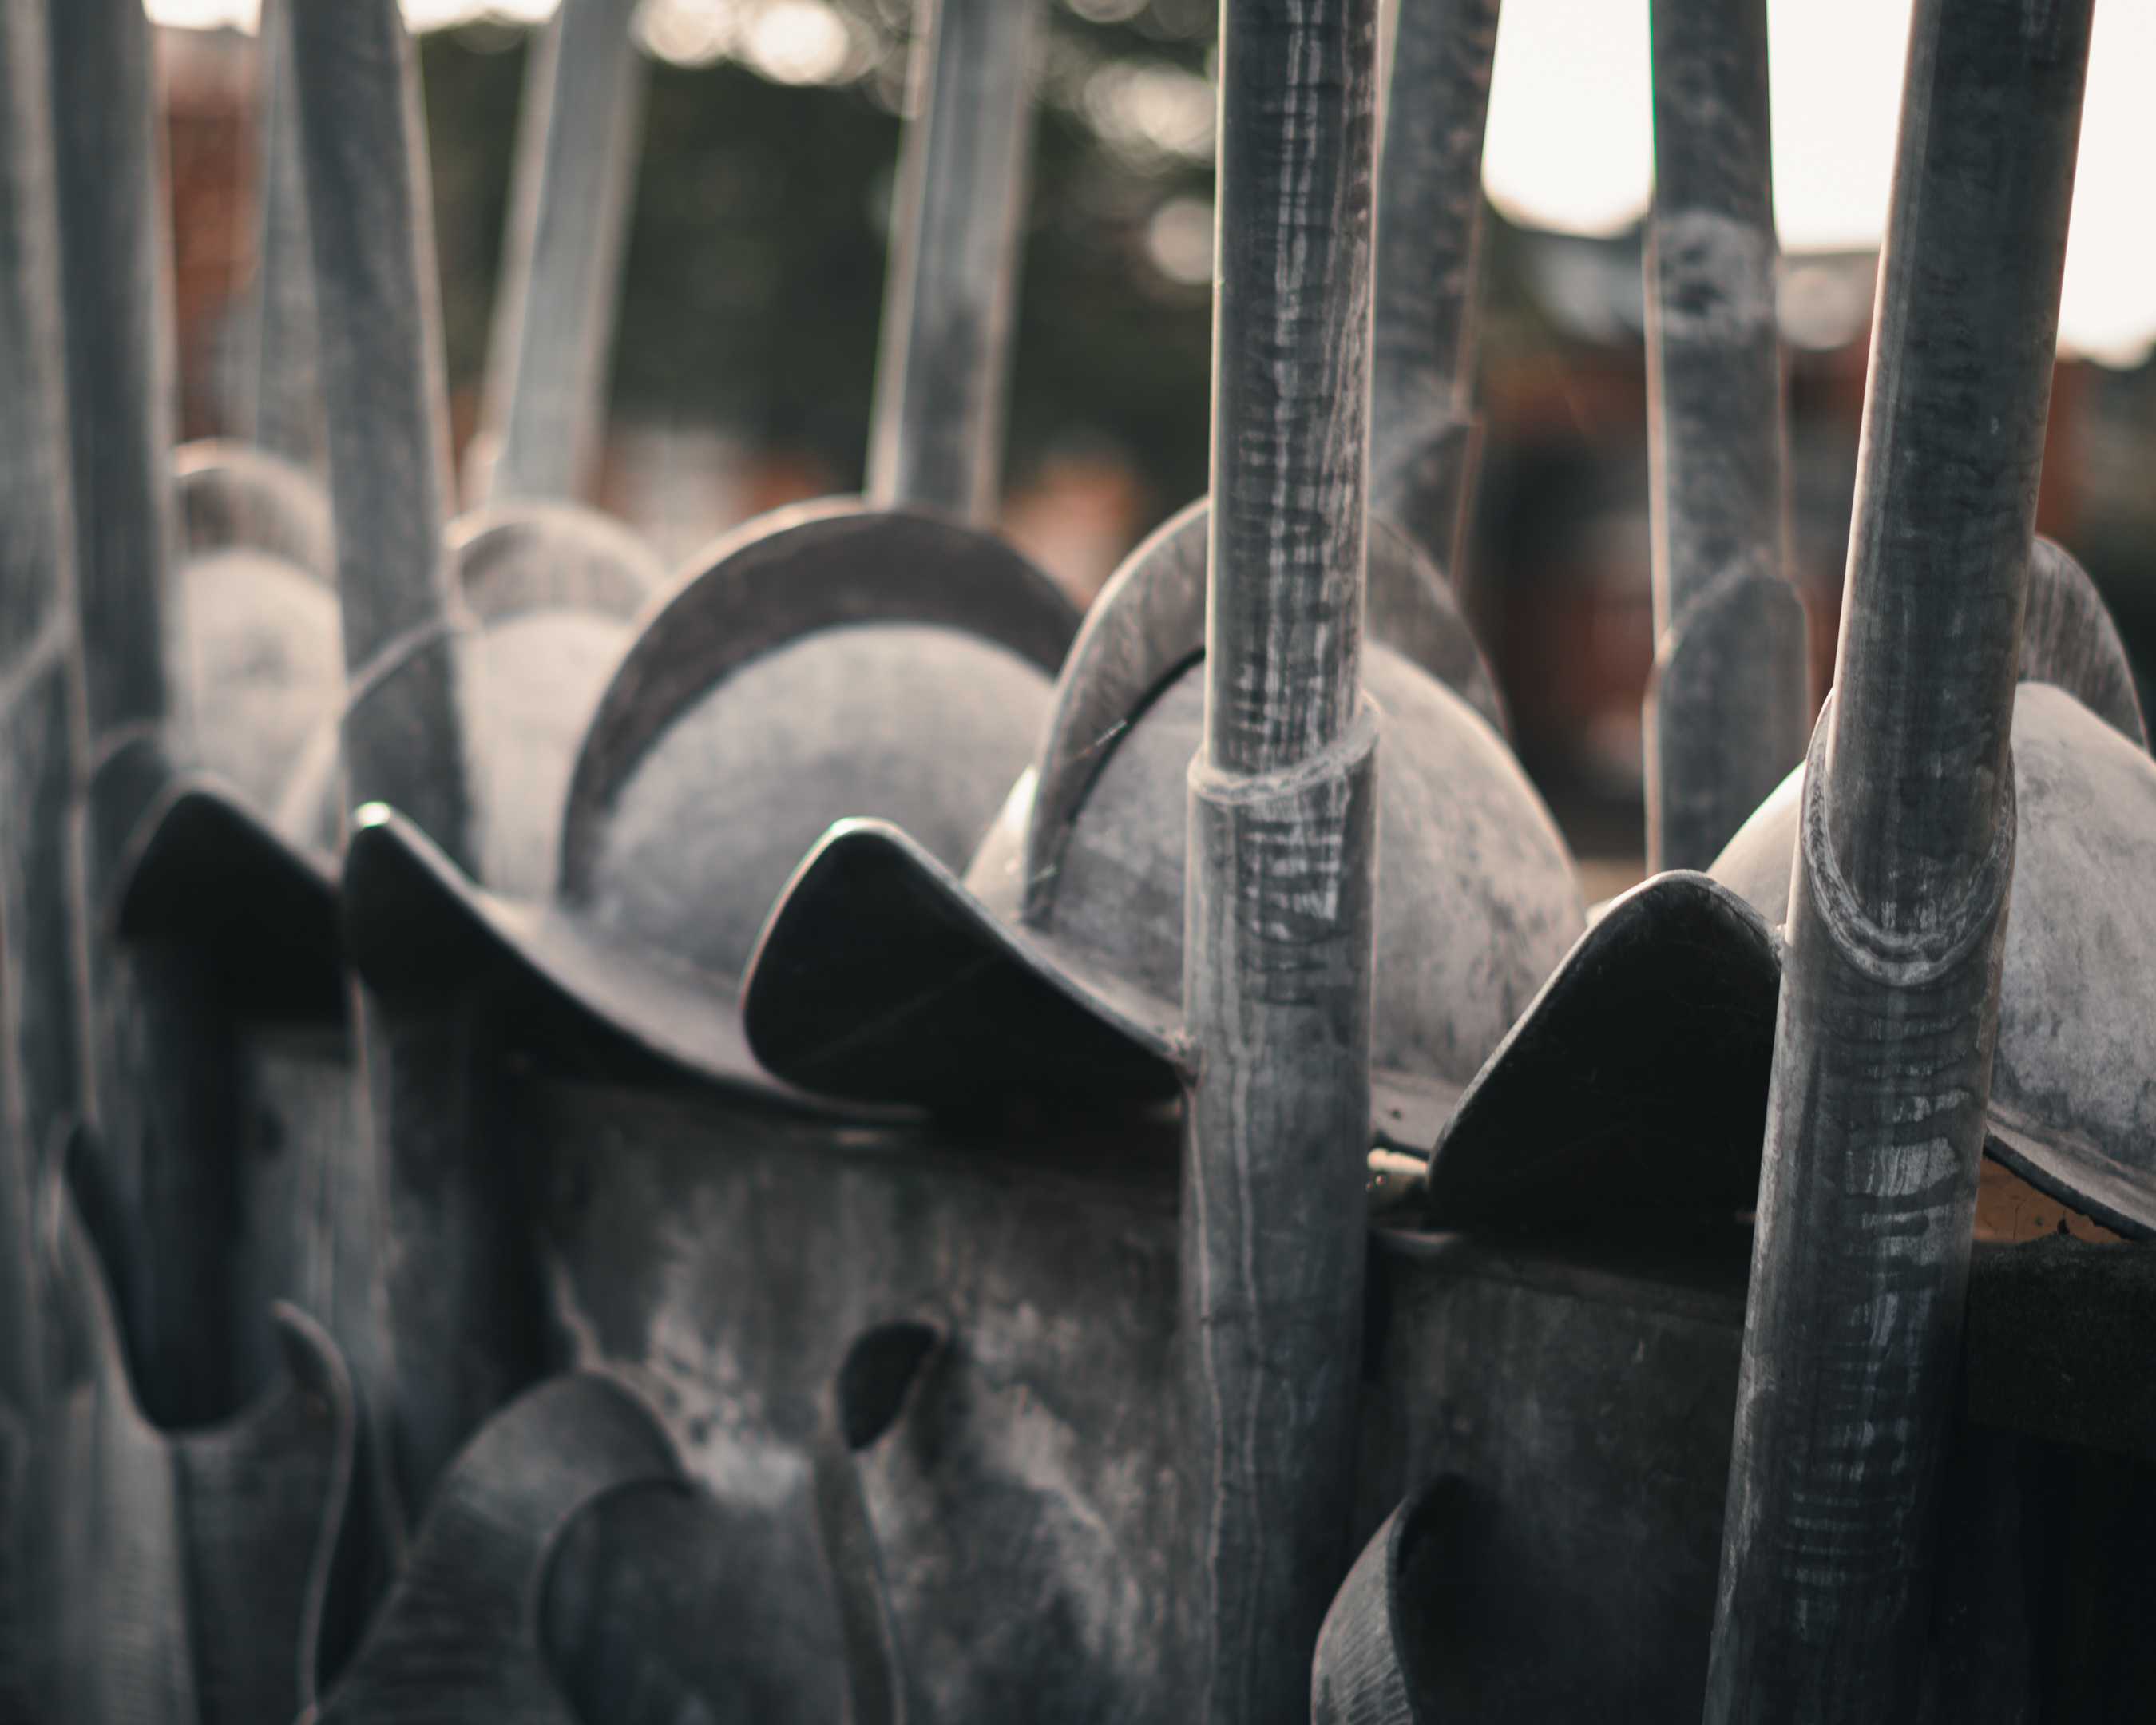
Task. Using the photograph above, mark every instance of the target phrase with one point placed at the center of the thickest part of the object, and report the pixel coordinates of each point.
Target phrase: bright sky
(1571, 141)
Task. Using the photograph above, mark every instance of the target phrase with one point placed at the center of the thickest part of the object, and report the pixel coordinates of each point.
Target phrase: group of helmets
(694, 1234)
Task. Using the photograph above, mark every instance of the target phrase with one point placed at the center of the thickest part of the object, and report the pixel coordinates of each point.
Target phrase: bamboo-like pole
(1882, 1053)
(41, 1080)
(1423, 430)
(274, 395)
(545, 404)
(1282, 871)
(122, 405)
(448, 1235)
(370, 213)
(164, 1198)
(1727, 710)
(943, 366)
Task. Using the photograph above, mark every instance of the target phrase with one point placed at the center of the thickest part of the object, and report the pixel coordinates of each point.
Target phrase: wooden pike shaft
(1727, 710)
(1882, 1052)
(553, 329)
(1282, 866)
(370, 213)
(1423, 434)
(943, 366)
(121, 407)
(275, 393)
(40, 710)
(163, 1198)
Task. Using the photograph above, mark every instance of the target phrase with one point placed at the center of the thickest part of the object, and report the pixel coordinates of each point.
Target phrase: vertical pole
(116, 278)
(40, 724)
(1282, 875)
(1727, 709)
(1882, 1051)
(545, 404)
(159, 1189)
(449, 1233)
(275, 395)
(370, 213)
(1423, 431)
(943, 368)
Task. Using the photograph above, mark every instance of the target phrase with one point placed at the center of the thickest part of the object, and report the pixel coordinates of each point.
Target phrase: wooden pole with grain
(1728, 708)
(1424, 433)
(1890, 995)
(544, 415)
(1283, 867)
(943, 365)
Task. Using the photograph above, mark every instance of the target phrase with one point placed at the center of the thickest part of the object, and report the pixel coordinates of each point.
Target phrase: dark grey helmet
(1635, 1087)
(822, 661)
(1056, 966)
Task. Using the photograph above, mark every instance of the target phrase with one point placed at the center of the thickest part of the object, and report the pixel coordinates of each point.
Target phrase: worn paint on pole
(160, 1200)
(1882, 1052)
(40, 716)
(1424, 435)
(453, 1257)
(123, 414)
(1282, 866)
(545, 405)
(943, 370)
(274, 394)
(1727, 709)
(371, 218)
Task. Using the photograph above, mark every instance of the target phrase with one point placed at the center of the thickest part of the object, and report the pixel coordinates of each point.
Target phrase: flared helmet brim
(1634, 1086)
(420, 930)
(881, 977)
(204, 862)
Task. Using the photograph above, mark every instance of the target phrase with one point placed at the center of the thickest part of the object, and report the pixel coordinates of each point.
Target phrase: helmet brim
(420, 931)
(881, 977)
(1634, 1088)
(202, 861)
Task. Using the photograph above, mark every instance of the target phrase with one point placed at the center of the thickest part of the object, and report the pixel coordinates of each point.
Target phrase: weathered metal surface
(457, 1638)
(1636, 1086)
(1897, 907)
(553, 585)
(273, 388)
(874, 1388)
(185, 1577)
(1024, 1505)
(1057, 968)
(232, 493)
(2067, 1105)
(1149, 622)
(2068, 637)
(1559, 1415)
(756, 708)
(957, 219)
(543, 416)
(1423, 434)
(2058, 1329)
(1727, 709)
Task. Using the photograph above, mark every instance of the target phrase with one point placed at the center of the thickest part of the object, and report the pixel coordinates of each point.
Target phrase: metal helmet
(826, 660)
(1056, 966)
(1635, 1086)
